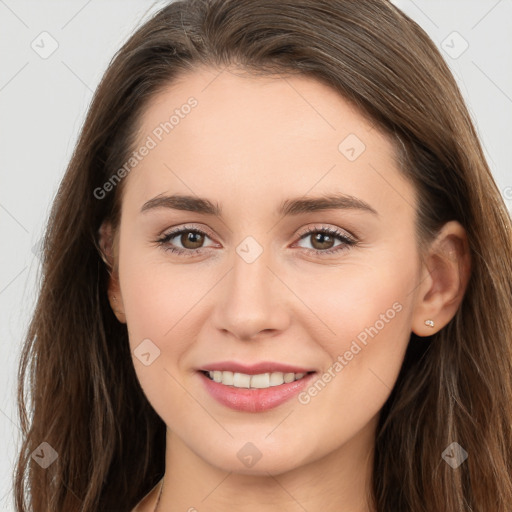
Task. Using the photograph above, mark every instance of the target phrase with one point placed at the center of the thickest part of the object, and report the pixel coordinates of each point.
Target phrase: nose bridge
(251, 276)
(251, 301)
(251, 281)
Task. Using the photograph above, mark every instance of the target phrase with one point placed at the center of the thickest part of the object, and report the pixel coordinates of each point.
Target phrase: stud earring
(429, 323)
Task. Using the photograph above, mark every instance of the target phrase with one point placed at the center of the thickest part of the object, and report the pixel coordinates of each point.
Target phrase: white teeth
(241, 380)
(276, 379)
(289, 377)
(227, 378)
(260, 381)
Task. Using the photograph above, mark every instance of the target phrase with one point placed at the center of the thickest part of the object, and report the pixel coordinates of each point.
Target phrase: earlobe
(445, 276)
(106, 247)
(115, 299)
(117, 307)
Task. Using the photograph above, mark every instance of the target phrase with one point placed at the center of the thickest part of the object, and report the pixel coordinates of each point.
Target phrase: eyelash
(347, 241)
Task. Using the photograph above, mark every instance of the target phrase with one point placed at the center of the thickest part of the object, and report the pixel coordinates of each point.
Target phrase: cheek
(159, 302)
(164, 305)
(365, 317)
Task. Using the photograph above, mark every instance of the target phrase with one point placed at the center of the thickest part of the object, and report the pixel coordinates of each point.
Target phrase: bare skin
(249, 144)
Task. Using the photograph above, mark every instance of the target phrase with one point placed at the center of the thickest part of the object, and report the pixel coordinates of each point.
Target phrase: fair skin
(251, 143)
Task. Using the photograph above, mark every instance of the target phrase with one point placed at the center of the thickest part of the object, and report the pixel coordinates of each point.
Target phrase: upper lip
(254, 369)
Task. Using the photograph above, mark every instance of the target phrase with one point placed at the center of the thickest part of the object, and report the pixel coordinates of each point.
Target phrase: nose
(253, 300)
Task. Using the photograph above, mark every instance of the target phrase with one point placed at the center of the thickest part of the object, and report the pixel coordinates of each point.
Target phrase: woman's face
(279, 276)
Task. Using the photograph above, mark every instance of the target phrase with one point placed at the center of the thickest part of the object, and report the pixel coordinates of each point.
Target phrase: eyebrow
(295, 206)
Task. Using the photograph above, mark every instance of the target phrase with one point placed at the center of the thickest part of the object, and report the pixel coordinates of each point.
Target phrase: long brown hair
(84, 398)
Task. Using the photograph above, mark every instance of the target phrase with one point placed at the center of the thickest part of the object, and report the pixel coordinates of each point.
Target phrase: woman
(277, 276)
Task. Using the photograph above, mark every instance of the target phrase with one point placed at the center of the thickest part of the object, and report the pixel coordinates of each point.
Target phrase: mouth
(254, 393)
(258, 381)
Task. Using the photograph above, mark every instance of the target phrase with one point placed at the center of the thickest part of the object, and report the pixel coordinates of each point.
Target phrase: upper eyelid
(186, 227)
(316, 227)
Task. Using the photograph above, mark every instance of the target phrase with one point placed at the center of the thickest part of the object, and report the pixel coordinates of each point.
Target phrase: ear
(107, 241)
(445, 275)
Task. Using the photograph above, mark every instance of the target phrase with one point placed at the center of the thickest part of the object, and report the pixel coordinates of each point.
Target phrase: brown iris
(322, 239)
(193, 238)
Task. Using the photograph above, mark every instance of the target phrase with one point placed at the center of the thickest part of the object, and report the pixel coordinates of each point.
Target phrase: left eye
(192, 240)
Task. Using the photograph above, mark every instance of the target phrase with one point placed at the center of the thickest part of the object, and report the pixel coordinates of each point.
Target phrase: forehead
(213, 130)
(248, 106)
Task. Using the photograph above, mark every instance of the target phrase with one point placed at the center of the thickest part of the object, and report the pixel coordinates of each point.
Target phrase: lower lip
(254, 399)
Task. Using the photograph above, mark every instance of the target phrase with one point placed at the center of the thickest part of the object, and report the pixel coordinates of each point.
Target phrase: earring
(429, 323)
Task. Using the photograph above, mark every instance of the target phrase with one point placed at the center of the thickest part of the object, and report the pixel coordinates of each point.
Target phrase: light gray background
(43, 102)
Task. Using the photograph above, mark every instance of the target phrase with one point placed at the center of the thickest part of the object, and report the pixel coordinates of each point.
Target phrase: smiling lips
(254, 388)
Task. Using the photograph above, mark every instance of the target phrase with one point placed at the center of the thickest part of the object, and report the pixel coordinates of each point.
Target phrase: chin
(256, 458)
